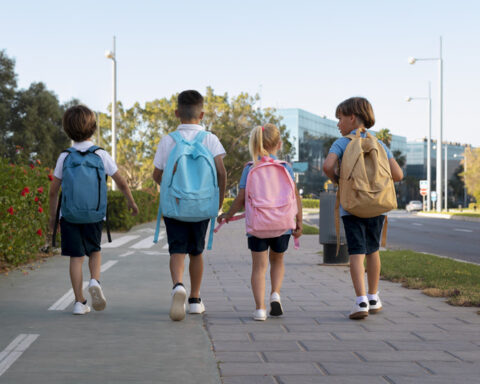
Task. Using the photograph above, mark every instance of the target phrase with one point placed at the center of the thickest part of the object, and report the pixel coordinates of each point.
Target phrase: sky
(295, 54)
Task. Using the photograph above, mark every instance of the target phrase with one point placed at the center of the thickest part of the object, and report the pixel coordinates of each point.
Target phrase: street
(443, 237)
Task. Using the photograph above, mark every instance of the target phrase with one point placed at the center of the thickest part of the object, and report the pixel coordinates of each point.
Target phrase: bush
(121, 219)
(23, 210)
(310, 203)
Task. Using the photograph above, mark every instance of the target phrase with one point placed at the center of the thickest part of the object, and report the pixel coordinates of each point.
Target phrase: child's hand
(223, 216)
(133, 207)
(298, 230)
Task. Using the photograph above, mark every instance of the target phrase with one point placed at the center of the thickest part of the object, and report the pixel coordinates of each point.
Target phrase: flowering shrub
(23, 210)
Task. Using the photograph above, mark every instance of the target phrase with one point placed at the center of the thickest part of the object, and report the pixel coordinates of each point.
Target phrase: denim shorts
(363, 234)
(80, 239)
(186, 237)
(277, 244)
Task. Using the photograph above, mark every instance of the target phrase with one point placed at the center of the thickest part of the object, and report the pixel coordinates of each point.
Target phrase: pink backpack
(270, 201)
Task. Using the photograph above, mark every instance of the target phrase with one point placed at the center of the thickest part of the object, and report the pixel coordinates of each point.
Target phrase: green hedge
(306, 203)
(119, 216)
(23, 210)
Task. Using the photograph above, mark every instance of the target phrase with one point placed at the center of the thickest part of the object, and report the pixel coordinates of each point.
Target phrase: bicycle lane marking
(15, 349)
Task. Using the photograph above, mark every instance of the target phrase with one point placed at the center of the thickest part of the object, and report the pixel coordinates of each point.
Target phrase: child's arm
(221, 177)
(157, 175)
(53, 197)
(123, 186)
(397, 173)
(237, 205)
(299, 218)
(329, 167)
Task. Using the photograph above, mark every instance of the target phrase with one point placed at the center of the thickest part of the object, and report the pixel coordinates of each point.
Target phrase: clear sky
(296, 54)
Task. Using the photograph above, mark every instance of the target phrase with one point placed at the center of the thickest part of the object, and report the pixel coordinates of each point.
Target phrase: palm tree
(385, 136)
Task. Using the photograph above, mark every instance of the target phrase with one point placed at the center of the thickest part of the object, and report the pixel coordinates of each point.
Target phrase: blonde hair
(263, 140)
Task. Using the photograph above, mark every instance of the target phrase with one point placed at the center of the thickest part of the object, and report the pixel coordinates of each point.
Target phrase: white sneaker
(98, 299)
(359, 311)
(195, 306)
(276, 308)
(80, 308)
(177, 309)
(375, 306)
(260, 315)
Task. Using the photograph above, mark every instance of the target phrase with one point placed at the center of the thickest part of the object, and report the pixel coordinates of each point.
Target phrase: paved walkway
(416, 339)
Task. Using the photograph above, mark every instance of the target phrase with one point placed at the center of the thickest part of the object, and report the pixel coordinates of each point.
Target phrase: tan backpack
(366, 187)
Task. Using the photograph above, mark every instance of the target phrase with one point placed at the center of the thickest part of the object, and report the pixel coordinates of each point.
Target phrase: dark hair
(358, 106)
(190, 105)
(79, 123)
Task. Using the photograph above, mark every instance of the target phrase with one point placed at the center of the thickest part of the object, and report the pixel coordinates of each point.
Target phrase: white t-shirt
(108, 163)
(188, 132)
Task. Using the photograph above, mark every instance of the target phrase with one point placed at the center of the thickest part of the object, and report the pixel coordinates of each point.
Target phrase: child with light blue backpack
(189, 168)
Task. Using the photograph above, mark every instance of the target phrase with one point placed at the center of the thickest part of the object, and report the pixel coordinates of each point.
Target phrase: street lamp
(112, 56)
(464, 157)
(429, 142)
(413, 60)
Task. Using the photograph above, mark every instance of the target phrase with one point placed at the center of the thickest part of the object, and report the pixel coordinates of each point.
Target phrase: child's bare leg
(259, 269)
(357, 272)
(76, 276)
(177, 265)
(196, 273)
(94, 264)
(373, 271)
(277, 270)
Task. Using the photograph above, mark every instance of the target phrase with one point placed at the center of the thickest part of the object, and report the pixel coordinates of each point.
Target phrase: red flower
(36, 198)
(10, 210)
(39, 162)
(25, 191)
(32, 166)
(50, 177)
(40, 209)
(39, 232)
(40, 189)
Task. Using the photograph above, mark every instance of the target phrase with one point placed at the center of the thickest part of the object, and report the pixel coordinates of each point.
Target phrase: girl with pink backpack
(273, 212)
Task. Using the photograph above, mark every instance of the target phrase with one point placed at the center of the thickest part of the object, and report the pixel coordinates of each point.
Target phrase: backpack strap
(210, 237)
(383, 242)
(175, 135)
(337, 219)
(157, 228)
(200, 136)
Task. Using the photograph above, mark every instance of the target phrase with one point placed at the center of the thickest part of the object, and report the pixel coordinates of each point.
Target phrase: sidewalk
(415, 339)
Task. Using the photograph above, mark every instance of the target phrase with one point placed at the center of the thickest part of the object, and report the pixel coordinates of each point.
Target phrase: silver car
(414, 205)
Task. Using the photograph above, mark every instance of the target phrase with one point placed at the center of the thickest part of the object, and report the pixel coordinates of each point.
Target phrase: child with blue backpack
(189, 168)
(273, 212)
(81, 173)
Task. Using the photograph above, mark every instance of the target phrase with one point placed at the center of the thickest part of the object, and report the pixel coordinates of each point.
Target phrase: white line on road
(147, 242)
(14, 350)
(65, 300)
(165, 246)
(120, 241)
(462, 230)
(108, 265)
(153, 253)
(126, 254)
(418, 224)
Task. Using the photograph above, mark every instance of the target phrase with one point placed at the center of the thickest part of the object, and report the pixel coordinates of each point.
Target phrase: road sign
(424, 184)
(433, 196)
(423, 192)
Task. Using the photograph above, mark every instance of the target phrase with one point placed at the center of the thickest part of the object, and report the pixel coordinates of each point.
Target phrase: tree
(456, 185)
(472, 175)
(385, 136)
(8, 85)
(400, 158)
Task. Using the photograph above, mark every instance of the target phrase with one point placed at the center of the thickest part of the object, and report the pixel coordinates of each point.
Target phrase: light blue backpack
(189, 189)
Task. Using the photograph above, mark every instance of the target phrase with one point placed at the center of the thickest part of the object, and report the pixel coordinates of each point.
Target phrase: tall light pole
(413, 60)
(112, 55)
(446, 176)
(429, 143)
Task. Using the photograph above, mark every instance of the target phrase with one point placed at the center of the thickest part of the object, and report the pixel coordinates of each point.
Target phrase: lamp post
(464, 157)
(112, 56)
(446, 176)
(429, 143)
(413, 60)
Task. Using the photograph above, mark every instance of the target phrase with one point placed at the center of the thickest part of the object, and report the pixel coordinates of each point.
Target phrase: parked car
(414, 205)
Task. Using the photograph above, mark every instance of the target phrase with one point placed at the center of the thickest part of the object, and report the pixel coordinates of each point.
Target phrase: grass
(456, 213)
(310, 230)
(435, 276)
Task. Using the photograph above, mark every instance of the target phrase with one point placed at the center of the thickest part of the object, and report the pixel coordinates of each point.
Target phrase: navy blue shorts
(186, 237)
(277, 244)
(363, 235)
(80, 239)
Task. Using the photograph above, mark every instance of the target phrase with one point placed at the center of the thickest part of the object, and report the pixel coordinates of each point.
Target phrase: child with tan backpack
(366, 173)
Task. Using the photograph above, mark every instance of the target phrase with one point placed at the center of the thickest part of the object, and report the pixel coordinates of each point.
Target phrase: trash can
(328, 236)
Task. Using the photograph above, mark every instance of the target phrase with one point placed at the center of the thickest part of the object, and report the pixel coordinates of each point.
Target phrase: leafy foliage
(385, 136)
(472, 175)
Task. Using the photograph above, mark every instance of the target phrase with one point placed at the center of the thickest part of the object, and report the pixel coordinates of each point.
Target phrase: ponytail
(263, 139)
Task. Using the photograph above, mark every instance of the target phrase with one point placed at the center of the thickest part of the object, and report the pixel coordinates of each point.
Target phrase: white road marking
(154, 253)
(65, 300)
(108, 265)
(14, 350)
(147, 242)
(165, 246)
(418, 224)
(462, 230)
(126, 254)
(120, 241)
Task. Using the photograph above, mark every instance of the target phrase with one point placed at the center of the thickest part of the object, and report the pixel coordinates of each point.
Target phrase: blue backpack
(84, 187)
(189, 189)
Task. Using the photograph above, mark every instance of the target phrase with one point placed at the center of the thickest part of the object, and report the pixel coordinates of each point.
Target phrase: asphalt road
(443, 237)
